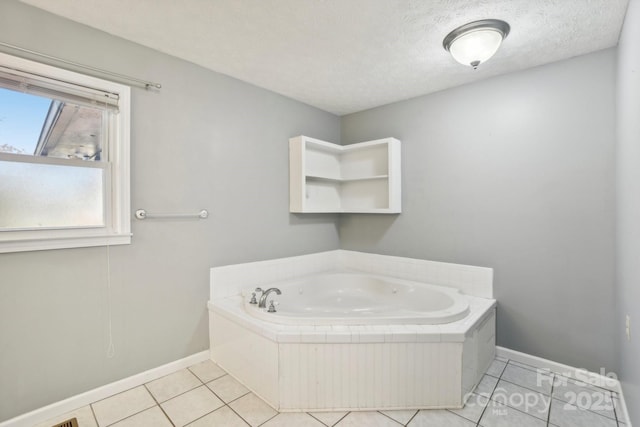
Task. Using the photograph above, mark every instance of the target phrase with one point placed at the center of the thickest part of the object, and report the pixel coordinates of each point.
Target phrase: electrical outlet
(627, 328)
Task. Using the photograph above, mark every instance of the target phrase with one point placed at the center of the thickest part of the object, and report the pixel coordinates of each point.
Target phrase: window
(64, 158)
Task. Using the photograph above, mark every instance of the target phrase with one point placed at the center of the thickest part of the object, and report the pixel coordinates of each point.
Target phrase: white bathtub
(360, 299)
(354, 331)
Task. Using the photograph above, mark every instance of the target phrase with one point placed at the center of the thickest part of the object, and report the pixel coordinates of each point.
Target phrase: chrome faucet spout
(263, 298)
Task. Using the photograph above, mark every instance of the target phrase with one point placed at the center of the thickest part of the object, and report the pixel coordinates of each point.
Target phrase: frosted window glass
(37, 196)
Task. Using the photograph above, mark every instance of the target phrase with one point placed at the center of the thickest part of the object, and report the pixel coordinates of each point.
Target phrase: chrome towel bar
(143, 214)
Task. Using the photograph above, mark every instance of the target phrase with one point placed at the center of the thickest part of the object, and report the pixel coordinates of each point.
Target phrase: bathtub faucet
(263, 297)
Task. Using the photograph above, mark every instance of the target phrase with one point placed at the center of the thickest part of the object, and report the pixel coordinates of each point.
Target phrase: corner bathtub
(360, 299)
(344, 341)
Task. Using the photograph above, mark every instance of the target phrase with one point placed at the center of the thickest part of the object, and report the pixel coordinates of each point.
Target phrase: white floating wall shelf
(355, 178)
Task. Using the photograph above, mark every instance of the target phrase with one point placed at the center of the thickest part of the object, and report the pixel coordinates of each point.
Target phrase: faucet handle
(272, 307)
(253, 295)
(253, 298)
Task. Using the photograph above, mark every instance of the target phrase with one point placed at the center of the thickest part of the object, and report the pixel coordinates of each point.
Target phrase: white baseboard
(74, 402)
(569, 371)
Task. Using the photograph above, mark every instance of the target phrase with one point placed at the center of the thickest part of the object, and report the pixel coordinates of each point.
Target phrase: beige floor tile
(496, 368)
(152, 417)
(172, 385)
(191, 405)
(84, 416)
(486, 386)
(534, 380)
(227, 388)
(253, 409)
(584, 396)
(122, 405)
(329, 418)
(207, 371)
(498, 415)
(372, 419)
(566, 415)
(297, 419)
(522, 399)
(223, 417)
(474, 407)
(440, 418)
(402, 417)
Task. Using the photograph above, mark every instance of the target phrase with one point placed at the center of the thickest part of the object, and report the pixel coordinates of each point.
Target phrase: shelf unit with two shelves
(356, 178)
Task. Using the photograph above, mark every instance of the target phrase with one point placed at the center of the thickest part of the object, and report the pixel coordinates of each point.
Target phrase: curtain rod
(144, 83)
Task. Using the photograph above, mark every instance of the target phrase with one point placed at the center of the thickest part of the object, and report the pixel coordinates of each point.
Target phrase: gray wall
(515, 173)
(204, 141)
(628, 219)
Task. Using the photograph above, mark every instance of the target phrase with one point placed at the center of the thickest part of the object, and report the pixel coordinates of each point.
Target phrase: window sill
(66, 242)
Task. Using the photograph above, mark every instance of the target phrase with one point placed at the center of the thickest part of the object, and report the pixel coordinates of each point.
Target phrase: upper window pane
(21, 118)
(38, 126)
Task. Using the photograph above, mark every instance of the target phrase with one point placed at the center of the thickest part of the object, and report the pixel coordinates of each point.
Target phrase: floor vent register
(68, 423)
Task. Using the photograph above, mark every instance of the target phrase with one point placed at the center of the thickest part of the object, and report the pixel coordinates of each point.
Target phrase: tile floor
(510, 394)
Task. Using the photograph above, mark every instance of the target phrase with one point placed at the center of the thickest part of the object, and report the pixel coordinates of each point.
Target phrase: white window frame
(117, 229)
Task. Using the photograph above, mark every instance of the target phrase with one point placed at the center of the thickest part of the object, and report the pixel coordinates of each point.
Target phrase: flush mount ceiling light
(475, 42)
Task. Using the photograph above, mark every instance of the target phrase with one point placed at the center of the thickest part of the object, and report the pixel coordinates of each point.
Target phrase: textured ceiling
(345, 56)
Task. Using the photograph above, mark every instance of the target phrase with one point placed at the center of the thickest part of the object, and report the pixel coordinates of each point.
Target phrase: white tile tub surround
(231, 280)
(354, 367)
(470, 280)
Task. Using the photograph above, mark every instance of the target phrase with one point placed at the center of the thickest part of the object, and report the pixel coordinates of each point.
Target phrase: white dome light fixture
(475, 42)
